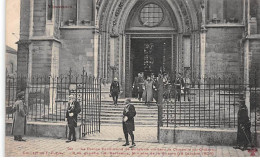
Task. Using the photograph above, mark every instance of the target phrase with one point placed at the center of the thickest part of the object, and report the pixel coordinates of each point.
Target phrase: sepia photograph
(132, 78)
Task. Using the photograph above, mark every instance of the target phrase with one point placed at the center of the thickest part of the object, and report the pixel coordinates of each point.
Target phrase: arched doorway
(151, 32)
(127, 26)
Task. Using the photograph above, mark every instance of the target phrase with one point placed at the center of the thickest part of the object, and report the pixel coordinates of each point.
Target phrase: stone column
(113, 40)
(202, 54)
(247, 64)
(123, 67)
(96, 45)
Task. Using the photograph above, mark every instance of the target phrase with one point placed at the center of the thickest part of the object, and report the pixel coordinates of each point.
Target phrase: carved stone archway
(114, 47)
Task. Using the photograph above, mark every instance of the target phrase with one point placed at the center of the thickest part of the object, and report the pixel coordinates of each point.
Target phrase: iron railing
(213, 104)
(46, 98)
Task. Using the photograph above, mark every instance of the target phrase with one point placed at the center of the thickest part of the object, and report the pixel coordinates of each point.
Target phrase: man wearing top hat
(71, 115)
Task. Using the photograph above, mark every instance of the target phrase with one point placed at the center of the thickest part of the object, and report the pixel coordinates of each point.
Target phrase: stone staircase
(145, 115)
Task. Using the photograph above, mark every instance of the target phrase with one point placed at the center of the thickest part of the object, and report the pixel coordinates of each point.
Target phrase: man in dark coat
(115, 90)
(135, 85)
(140, 86)
(179, 83)
(71, 115)
(243, 128)
(128, 122)
(19, 120)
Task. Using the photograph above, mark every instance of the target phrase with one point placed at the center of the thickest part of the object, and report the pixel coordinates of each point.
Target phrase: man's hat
(71, 96)
(20, 94)
(242, 101)
(115, 79)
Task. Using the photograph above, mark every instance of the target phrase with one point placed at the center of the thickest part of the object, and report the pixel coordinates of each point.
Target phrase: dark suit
(115, 90)
(243, 129)
(140, 87)
(74, 108)
(178, 84)
(129, 125)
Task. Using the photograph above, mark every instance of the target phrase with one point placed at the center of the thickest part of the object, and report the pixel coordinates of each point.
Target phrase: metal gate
(47, 98)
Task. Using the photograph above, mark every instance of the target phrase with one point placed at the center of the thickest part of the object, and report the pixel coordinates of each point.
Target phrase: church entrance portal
(150, 56)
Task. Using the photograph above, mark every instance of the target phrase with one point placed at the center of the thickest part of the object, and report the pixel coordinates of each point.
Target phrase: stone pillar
(96, 45)
(202, 54)
(31, 18)
(247, 67)
(187, 51)
(123, 67)
(113, 40)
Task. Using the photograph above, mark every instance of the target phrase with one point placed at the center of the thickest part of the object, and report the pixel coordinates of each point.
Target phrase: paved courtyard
(115, 132)
(42, 147)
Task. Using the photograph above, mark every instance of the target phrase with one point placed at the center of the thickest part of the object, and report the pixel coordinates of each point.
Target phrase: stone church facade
(110, 38)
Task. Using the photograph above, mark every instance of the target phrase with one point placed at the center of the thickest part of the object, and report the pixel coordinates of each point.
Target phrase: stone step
(136, 118)
(137, 109)
(137, 122)
(115, 112)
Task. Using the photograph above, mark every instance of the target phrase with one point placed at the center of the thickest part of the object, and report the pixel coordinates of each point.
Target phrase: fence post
(160, 105)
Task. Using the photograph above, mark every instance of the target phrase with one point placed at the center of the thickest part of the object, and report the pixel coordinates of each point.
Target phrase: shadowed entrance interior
(150, 56)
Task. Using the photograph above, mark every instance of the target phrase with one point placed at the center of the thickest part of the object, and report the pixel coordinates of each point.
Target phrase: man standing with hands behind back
(128, 122)
(71, 115)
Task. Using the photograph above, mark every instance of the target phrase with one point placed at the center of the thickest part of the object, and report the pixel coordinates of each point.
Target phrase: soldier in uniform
(243, 128)
(71, 116)
(128, 122)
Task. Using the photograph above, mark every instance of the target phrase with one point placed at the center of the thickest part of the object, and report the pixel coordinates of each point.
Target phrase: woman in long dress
(148, 91)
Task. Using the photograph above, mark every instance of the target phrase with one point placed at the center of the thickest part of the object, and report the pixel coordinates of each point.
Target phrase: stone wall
(25, 19)
(254, 48)
(39, 18)
(223, 51)
(22, 58)
(77, 50)
(41, 57)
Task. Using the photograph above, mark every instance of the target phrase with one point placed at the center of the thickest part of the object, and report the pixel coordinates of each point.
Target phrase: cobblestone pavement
(115, 132)
(43, 147)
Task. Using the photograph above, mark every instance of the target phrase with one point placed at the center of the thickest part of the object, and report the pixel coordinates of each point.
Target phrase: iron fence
(212, 103)
(47, 98)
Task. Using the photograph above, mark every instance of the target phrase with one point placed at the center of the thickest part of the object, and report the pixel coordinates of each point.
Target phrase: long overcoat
(243, 130)
(130, 112)
(74, 108)
(114, 88)
(19, 119)
(148, 91)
